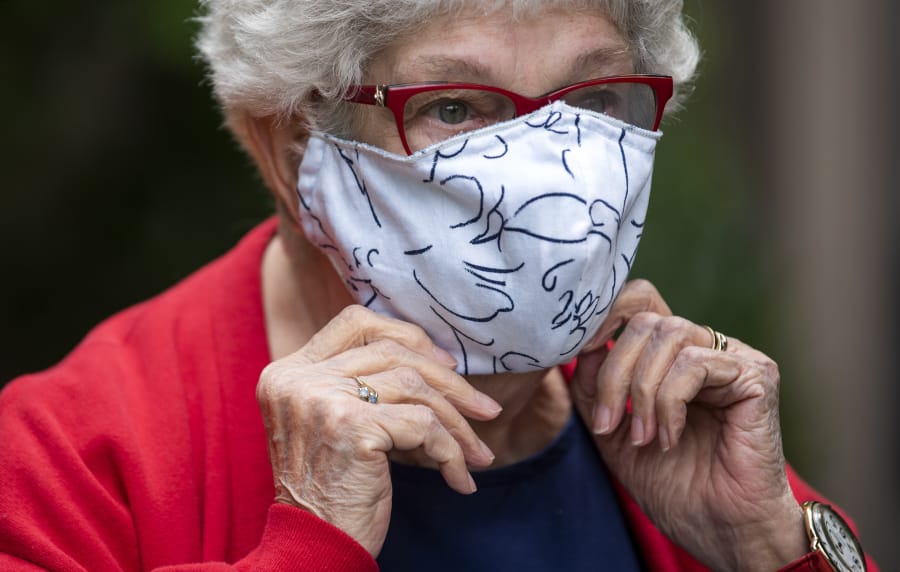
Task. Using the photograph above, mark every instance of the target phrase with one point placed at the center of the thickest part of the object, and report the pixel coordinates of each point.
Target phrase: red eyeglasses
(427, 113)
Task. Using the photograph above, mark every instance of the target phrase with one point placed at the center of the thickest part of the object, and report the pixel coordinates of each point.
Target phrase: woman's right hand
(329, 449)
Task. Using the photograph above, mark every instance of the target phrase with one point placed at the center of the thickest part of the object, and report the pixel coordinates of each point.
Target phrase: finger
(707, 376)
(667, 338)
(413, 426)
(584, 379)
(583, 385)
(358, 326)
(616, 375)
(386, 355)
(636, 296)
(405, 385)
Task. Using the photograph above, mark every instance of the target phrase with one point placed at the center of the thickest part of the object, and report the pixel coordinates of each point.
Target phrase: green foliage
(118, 179)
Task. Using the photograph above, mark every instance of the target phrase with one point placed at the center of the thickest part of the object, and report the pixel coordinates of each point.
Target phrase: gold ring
(366, 393)
(719, 341)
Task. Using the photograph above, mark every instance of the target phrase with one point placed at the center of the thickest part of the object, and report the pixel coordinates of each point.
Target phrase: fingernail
(486, 451)
(664, 439)
(602, 419)
(472, 486)
(488, 404)
(637, 430)
(444, 357)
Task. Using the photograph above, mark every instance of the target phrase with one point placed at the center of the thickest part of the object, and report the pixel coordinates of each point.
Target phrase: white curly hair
(268, 57)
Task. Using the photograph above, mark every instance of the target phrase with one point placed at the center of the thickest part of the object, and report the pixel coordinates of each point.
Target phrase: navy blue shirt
(554, 511)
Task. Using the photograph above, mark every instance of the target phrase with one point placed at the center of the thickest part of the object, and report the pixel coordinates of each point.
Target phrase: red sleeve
(65, 505)
(814, 562)
(661, 554)
(143, 449)
(61, 502)
(294, 539)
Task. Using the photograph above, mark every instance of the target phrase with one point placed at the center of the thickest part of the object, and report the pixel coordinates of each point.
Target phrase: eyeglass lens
(433, 116)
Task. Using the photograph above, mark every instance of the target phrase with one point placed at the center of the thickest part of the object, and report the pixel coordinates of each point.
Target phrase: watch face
(837, 540)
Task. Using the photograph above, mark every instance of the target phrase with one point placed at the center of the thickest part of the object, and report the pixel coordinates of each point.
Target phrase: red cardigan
(144, 449)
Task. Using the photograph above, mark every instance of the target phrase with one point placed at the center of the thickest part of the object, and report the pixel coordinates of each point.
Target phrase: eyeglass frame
(394, 97)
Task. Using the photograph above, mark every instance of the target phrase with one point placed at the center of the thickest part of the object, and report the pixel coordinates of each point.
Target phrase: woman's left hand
(701, 449)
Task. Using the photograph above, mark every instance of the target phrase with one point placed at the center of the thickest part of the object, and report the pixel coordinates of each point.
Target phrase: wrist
(773, 544)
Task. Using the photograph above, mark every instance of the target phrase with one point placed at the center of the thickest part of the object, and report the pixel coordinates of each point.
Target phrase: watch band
(811, 562)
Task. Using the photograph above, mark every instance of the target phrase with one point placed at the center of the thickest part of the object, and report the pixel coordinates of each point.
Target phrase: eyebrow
(607, 60)
(443, 68)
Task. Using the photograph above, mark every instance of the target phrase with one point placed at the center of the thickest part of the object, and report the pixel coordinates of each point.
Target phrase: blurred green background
(117, 177)
(118, 180)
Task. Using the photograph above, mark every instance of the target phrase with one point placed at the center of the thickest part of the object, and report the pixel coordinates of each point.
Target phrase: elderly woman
(385, 374)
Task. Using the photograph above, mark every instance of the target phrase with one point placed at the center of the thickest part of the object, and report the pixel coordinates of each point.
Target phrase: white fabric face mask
(507, 245)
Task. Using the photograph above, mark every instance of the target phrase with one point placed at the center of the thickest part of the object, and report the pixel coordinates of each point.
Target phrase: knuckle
(340, 415)
(409, 379)
(264, 394)
(368, 444)
(644, 287)
(351, 320)
(455, 455)
(643, 393)
(354, 314)
(768, 372)
(389, 350)
(266, 378)
(270, 372)
(665, 398)
(271, 381)
(414, 335)
(668, 395)
(427, 417)
(678, 419)
(689, 355)
(672, 327)
(644, 321)
(771, 372)
(686, 360)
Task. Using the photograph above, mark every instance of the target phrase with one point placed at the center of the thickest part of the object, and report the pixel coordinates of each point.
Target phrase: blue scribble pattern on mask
(507, 246)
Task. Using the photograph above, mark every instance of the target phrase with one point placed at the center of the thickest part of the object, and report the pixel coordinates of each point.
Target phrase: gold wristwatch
(831, 536)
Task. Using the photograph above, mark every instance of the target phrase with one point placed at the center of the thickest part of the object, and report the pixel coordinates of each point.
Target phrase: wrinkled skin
(708, 457)
(701, 449)
(329, 449)
(704, 460)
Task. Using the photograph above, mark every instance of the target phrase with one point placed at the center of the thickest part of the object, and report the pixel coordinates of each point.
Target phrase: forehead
(551, 48)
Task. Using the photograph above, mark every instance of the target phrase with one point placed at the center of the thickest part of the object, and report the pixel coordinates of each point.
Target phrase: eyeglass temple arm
(369, 94)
